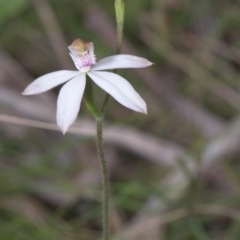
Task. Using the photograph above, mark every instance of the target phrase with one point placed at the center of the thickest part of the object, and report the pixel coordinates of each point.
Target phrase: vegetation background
(174, 172)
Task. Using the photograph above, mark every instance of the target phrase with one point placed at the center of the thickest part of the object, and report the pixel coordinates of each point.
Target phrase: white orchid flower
(70, 95)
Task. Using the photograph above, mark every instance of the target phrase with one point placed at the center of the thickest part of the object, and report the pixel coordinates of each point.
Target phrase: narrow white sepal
(48, 81)
(121, 61)
(120, 89)
(68, 102)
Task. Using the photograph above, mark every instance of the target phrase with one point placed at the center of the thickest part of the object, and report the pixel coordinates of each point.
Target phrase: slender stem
(106, 183)
(105, 103)
(120, 20)
(88, 96)
(119, 9)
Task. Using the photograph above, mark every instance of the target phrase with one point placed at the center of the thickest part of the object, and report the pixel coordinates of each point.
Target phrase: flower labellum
(82, 54)
(70, 95)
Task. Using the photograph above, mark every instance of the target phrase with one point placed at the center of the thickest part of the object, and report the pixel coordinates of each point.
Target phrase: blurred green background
(174, 172)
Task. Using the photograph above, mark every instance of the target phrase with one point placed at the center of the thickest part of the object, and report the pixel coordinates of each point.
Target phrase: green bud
(119, 9)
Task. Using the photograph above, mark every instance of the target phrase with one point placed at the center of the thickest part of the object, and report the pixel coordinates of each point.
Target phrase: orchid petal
(120, 89)
(48, 81)
(121, 61)
(68, 103)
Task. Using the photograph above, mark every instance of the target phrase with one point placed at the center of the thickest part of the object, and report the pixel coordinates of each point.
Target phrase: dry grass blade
(155, 221)
(54, 32)
(225, 144)
(191, 68)
(152, 148)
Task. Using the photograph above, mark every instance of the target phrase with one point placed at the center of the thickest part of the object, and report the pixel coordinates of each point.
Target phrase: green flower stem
(88, 97)
(119, 10)
(106, 188)
(105, 103)
(106, 182)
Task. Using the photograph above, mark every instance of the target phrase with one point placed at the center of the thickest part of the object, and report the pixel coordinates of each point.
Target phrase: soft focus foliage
(174, 172)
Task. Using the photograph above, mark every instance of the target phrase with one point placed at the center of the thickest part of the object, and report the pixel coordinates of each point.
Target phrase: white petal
(48, 81)
(69, 100)
(121, 61)
(120, 89)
